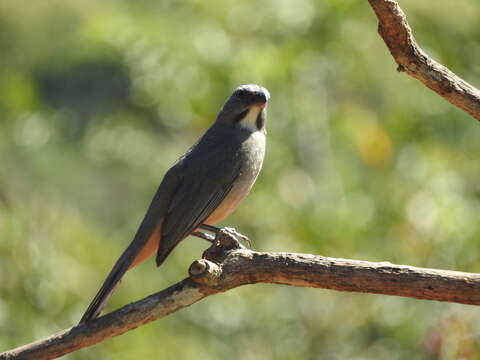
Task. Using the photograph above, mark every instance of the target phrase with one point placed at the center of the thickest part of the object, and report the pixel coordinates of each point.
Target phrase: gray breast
(250, 155)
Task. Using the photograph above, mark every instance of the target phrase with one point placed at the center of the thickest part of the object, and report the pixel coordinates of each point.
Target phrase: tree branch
(397, 34)
(227, 265)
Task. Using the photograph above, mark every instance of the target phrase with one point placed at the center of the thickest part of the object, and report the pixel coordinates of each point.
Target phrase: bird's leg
(231, 231)
(210, 228)
(204, 236)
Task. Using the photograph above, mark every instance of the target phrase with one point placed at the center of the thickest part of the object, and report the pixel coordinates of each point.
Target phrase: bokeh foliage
(97, 99)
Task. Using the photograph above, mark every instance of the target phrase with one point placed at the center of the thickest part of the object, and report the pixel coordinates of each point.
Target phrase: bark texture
(397, 34)
(227, 265)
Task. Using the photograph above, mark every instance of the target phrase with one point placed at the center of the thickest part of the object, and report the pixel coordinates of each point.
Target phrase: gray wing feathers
(198, 202)
(183, 219)
(208, 174)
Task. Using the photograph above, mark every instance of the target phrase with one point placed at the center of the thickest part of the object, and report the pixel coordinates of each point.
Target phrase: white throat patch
(250, 120)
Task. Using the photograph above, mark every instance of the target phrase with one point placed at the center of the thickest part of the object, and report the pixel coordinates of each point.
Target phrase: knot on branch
(208, 270)
(205, 272)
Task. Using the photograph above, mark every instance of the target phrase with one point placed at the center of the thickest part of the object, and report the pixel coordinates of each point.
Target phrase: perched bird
(202, 188)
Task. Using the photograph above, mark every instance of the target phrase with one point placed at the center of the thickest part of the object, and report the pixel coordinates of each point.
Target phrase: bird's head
(246, 107)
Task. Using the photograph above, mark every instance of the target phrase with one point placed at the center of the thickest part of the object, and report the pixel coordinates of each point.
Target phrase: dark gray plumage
(203, 187)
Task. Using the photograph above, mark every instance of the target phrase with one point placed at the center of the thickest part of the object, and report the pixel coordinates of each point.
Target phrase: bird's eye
(240, 116)
(242, 94)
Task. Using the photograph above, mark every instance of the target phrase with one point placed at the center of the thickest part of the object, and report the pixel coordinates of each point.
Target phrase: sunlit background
(97, 99)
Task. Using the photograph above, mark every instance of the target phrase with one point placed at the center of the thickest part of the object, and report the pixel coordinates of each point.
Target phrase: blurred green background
(97, 99)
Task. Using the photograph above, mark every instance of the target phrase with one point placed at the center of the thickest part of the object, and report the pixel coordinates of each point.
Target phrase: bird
(203, 187)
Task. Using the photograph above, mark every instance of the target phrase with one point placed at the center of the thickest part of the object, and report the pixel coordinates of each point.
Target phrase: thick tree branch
(397, 34)
(226, 265)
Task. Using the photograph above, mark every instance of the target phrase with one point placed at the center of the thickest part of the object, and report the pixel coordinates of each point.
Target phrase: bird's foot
(240, 237)
(226, 231)
(225, 240)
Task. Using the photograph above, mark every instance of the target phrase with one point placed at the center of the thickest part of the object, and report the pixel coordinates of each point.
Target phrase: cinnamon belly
(149, 249)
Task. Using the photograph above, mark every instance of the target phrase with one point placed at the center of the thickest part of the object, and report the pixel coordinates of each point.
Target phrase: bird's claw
(225, 239)
(228, 233)
(238, 236)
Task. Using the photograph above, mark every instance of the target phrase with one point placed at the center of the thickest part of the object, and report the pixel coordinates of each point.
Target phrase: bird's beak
(261, 100)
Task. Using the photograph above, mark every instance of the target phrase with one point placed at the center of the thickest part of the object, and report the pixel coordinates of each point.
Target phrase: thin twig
(397, 34)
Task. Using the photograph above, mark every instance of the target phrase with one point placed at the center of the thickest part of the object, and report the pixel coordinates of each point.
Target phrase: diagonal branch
(227, 265)
(397, 34)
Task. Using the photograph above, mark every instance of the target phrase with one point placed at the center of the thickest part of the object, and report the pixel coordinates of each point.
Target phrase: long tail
(106, 291)
(141, 248)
